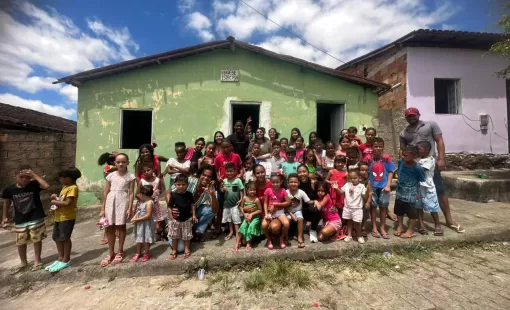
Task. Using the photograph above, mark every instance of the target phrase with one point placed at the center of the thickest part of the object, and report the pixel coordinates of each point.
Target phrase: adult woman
(205, 199)
(265, 144)
(310, 212)
(218, 137)
(273, 135)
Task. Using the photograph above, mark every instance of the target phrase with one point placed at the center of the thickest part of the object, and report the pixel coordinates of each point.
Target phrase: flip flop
(398, 233)
(228, 237)
(58, 267)
(376, 234)
(423, 231)
(457, 228)
(270, 245)
(37, 267)
(146, 258)
(118, 258)
(172, 256)
(187, 255)
(438, 233)
(47, 268)
(301, 245)
(104, 241)
(135, 258)
(106, 261)
(405, 236)
(385, 236)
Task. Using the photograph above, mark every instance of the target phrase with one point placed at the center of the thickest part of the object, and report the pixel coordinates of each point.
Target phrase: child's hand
(268, 216)
(128, 213)
(53, 196)
(224, 189)
(195, 220)
(5, 224)
(101, 213)
(334, 185)
(134, 220)
(157, 192)
(248, 217)
(293, 217)
(367, 205)
(387, 188)
(317, 205)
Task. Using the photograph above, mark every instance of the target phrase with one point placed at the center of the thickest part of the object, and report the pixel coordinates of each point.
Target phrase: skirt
(251, 230)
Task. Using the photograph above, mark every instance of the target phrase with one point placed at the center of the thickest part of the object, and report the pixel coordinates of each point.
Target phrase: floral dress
(117, 200)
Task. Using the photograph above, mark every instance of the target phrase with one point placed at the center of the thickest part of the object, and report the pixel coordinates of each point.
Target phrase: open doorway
(241, 111)
(330, 121)
(136, 128)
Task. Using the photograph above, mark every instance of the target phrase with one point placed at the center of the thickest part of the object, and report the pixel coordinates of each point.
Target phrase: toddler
(275, 202)
(354, 192)
(252, 209)
(179, 164)
(249, 163)
(143, 221)
(295, 210)
(336, 179)
(355, 140)
(157, 186)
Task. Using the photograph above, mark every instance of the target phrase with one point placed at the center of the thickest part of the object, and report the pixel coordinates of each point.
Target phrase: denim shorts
(298, 214)
(438, 182)
(380, 198)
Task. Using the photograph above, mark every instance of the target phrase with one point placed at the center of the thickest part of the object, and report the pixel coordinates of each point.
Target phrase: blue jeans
(204, 216)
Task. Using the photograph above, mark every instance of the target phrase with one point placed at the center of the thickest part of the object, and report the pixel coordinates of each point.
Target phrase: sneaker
(313, 236)
(348, 239)
(361, 240)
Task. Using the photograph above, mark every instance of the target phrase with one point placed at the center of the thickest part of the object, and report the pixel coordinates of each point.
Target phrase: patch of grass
(181, 294)
(20, 287)
(276, 274)
(203, 294)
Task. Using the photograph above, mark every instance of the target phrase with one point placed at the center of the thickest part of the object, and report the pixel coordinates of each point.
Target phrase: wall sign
(230, 75)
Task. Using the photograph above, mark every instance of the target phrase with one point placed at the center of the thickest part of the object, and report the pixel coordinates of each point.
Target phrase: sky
(41, 41)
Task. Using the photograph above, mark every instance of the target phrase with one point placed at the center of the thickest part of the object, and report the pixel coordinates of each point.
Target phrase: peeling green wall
(188, 98)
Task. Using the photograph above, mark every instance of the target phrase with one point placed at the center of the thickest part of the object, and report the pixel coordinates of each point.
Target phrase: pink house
(450, 77)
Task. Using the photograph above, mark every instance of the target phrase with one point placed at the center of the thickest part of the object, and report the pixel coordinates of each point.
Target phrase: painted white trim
(264, 114)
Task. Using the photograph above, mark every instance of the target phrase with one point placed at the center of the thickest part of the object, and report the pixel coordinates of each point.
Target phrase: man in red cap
(418, 131)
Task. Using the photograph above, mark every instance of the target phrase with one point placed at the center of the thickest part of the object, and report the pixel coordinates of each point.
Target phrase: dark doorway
(330, 121)
(136, 128)
(241, 112)
(508, 111)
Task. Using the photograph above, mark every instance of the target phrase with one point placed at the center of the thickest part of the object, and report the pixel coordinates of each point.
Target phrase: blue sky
(44, 40)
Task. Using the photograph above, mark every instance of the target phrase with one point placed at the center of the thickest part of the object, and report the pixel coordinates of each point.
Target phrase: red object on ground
(316, 304)
(87, 287)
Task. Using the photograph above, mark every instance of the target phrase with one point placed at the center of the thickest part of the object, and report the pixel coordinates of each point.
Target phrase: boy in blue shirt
(380, 175)
(290, 166)
(409, 177)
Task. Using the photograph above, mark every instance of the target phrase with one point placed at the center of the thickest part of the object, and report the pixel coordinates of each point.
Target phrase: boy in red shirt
(227, 156)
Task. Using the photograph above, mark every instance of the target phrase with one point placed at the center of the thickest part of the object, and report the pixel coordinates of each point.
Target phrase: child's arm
(62, 203)
(180, 170)
(138, 186)
(194, 212)
(131, 198)
(241, 204)
(7, 204)
(42, 184)
(368, 196)
(387, 188)
(259, 208)
(149, 204)
(324, 166)
(328, 177)
(319, 204)
(105, 194)
(266, 206)
(283, 205)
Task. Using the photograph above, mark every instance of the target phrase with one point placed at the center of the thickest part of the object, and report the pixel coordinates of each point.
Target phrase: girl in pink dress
(158, 188)
(338, 177)
(275, 220)
(330, 216)
(117, 207)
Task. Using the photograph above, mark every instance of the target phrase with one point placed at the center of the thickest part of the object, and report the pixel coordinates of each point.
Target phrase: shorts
(298, 214)
(31, 234)
(277, 214)
(232, 215)
(62, 230)
(380, 198)
(438, 182)
(180, 230)
(428, 200)
(354, 214)
(403, 207)
(336, 224)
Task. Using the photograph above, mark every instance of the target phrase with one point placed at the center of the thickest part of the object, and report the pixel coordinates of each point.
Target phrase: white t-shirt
(297, 200)
(248, 176)
(429, 165)
(354, 195)
(174, 162)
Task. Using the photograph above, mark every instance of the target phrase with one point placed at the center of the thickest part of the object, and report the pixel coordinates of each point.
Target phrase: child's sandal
(146, 258)
(187, 255)
(172, 256)
(135, 258)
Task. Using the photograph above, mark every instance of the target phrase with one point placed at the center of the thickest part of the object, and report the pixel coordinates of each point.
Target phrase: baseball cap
(412, 111)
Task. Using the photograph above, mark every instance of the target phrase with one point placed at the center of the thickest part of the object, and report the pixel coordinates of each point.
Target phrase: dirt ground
(469, 277)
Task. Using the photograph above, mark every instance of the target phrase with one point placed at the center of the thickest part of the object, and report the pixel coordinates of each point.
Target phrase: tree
(503, 47)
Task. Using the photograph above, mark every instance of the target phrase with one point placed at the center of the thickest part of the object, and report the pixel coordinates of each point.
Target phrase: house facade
(193, 92)
(450, 77)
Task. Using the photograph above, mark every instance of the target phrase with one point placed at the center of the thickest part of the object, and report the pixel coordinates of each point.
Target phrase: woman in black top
(310, 212)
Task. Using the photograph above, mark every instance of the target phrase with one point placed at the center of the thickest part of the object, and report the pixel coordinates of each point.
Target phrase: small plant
(278, 274)
(203, 294)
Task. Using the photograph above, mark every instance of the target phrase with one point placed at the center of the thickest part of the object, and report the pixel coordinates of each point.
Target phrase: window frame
(458, 96)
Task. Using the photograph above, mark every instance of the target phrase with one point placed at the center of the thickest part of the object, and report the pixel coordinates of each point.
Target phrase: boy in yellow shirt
(65, 217)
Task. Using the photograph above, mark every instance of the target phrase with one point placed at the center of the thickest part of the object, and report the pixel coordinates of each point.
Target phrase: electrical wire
(292, 33)
(464, 119)
(493, 131)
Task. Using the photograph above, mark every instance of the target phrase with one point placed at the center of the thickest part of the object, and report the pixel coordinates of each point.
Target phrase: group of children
(264, 195)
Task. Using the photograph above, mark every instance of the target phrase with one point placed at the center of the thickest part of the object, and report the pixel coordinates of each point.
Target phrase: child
(109, 160)
(312, 138)
(409, 177)
(311, 161)
(284, 144)
(297, 197)
(180, 227)
(354, 193)
(290, 166)
(330, 215)
(294, 134)
(178, 165)
(380, 174)
(275, 202)
(300, 149)
(344, 132)
(157, 187)
(366, 148)
(234, 192)
(363, 174)
(328, 161)
(429, 202)
(249, 163)
(227, 156)
(352, 154)
(208, 158)
(195, 153)
(255, 153)
(146, 155)
(29, 217)
(65, 217)
(117, 206)
(276, 159)
(143, 221)
(355, 140)
(336, 179)
(343, 144)
(252, 209)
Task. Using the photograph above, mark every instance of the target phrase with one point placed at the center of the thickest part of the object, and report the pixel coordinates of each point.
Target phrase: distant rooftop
(437, 38)
(16, 118)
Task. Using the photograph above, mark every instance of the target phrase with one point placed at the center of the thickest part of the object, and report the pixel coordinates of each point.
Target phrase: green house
(192, 92)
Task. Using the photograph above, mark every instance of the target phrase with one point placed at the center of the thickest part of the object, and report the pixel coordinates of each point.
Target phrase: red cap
(412, 111)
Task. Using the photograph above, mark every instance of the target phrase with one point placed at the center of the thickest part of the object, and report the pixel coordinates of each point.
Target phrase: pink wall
(481, 91)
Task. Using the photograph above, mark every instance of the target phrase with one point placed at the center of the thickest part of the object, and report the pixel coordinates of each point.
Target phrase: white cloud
(186, 5)
(201, 25)
(39, 45)
(345, 29)
(37, 105)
